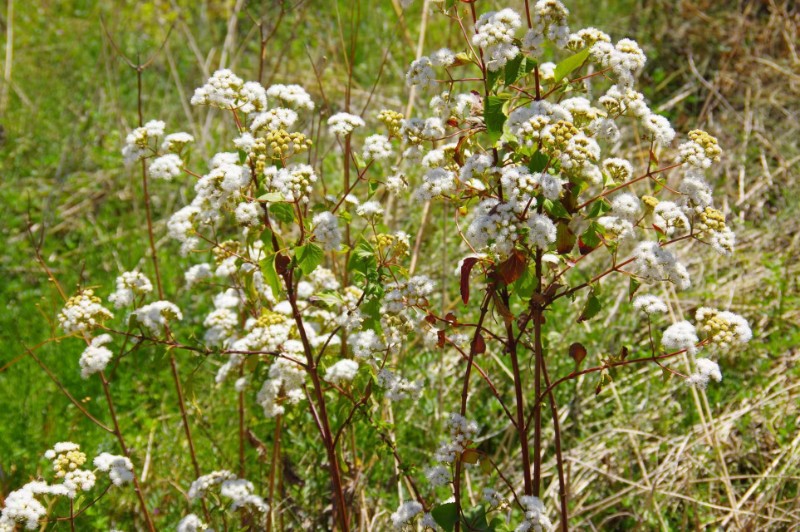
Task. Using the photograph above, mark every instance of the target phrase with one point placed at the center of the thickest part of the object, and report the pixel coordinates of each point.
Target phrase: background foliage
(68, 101)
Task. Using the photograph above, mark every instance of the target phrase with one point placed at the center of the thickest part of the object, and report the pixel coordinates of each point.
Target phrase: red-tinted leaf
(565, 239)
(430, 318)
(479, 345)
(281, 263)
(466, 268)
(657, 228)
(451, 318)
(512, 268)
(577, 352)
(441, 338)
(470, 456)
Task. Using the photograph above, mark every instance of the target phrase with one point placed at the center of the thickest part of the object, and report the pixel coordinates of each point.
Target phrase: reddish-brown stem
(537, 313)
(465, 394)
(605, 193)
(320, 412)
(520, 402)
(118, 433)
(562, 484)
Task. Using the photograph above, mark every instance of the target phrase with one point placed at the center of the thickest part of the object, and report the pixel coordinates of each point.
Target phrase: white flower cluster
(295, 182)
(653, 264)
(96, 356)
(496, 228)
(326, 231)
(342, 371)
(119, 468)
(166, 167)
(83, 313)
(129, 285)
(239, 491)
(403, 518)
(528, 122)
(626, 59)
(437, 182)
(494, 32)
(421, 73)
(413, 292)
(343, 124)
(679, 336)
(650, 304)
(550, 21)
(397, 387)
(155, 316)
(724, 329)
(191, 523)
(705, 370)
(377, 148)
(536, 519)
(292, 95)
(142, 141)
(462, 433)
(285, 384)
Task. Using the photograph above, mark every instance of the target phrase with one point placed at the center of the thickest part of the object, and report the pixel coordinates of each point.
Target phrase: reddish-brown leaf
(281, 263)
(583, 247)
(513, 267)
(451, 318)
(479, 345)
(470, 456)
(565, 238)
(577, 352)
(466, 268)
(441, 338)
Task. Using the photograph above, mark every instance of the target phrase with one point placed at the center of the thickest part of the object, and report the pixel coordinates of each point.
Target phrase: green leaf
(283, 212)
(591, 308)
(633, 286)
(512, 70)
(569, 64)
(362, 259)
(555, 209)
(272, 197)
(589, 240)
(445, 515)
(492, 77)
(475, 519)
(329, 298)
(271, 275)
(494, 117)
(599, 208)
(308, 257)
(538, 162)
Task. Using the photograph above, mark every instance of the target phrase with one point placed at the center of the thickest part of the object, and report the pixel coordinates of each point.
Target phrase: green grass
(71, 104)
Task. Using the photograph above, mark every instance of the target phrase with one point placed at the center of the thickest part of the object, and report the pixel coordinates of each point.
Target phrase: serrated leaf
(591, 308)
(493, 117)
(569, 64)
(283, 212)
(445, 515)
(308, 257)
